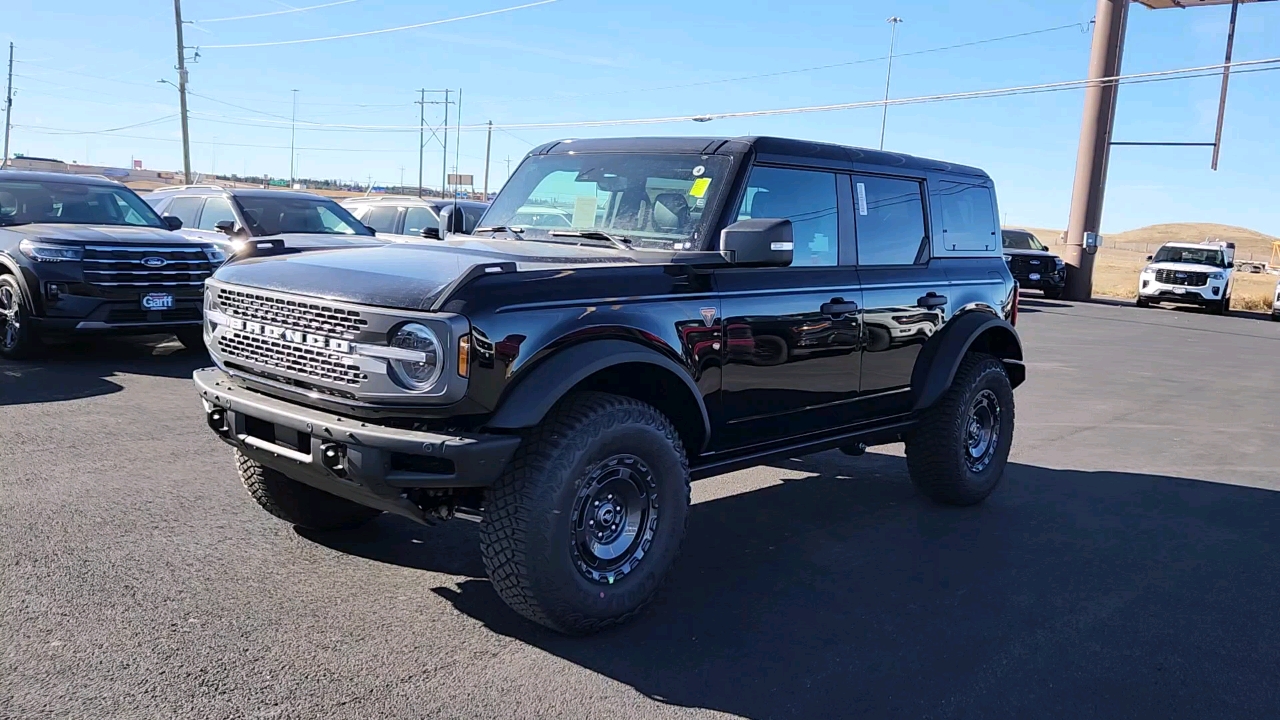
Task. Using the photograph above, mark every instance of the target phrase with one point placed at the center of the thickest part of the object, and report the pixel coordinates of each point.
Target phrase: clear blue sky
(583, 60)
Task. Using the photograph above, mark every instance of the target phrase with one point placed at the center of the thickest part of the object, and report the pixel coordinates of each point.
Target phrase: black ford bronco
(710, 304)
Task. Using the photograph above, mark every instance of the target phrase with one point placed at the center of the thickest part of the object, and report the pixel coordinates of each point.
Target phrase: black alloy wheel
(615, 516)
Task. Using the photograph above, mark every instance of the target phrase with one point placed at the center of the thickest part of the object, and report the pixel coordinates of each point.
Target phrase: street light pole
(293, 128)
(893, 37)
(488, 145)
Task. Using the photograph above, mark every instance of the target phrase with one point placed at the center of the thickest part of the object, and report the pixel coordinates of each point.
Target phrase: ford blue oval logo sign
(154, 262)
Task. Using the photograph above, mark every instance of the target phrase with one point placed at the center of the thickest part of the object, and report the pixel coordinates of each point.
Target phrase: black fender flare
(9, 266)
(543, 385)
(938, 362)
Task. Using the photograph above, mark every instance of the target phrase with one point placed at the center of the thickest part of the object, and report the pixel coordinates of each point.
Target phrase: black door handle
(839, 306)
(931, 301)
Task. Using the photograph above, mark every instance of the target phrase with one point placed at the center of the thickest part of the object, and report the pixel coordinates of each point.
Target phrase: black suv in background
(410, 216)
(715, 304)
(1032, 265)
(231, 216)
(80, 254)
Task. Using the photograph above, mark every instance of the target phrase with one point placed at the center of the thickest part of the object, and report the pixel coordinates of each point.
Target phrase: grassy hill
(1246, 240)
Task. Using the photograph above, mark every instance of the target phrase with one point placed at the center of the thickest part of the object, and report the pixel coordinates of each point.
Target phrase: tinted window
(273, 214)
(185, 209)
(215, 211)
(417, 218)
(808, 199)
(968, 216)
(56, 201)
(1018, 240)
(890, 221)
(381, 218)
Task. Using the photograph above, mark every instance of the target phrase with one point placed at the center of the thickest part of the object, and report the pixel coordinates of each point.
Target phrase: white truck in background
(1200, 274)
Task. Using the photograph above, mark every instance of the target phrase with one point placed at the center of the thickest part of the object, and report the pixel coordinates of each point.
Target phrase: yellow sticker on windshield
(700, 186)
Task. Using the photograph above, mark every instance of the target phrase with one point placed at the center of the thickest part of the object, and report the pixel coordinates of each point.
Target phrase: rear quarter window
(968, 217)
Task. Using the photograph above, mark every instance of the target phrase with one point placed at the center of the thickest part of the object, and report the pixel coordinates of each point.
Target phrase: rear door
(904, 289)
(793, 334)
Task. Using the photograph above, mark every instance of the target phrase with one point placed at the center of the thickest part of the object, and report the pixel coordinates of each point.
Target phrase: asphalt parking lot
(1128, 567)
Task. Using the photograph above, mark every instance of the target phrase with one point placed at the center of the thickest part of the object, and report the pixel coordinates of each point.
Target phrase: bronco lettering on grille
(294, 336)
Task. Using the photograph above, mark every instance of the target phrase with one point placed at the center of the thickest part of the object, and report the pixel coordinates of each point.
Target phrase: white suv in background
(1275, 303)
(1189, 274)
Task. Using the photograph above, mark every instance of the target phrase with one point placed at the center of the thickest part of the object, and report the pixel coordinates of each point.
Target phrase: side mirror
(226, 227)
(451, 220)
(172, 222)
(758, 242)
(1149, 257)
(431, 233)
(371, 230)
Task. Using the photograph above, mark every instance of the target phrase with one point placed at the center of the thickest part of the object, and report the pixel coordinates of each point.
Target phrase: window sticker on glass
(862, 199)
(584, 211)
(697, 171)
(699, 187)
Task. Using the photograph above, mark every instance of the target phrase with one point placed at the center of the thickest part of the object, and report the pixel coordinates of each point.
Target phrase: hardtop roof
(37, 176)
(766, 147)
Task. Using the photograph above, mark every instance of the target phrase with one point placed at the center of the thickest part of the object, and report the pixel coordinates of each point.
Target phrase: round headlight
(417, 376)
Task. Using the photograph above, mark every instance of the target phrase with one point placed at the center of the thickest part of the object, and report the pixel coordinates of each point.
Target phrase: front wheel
(18, 340)
(957, 454)
(1052, 293)
(1217, 308)
(1142, 303)
(191, 338)
(299, 503)
(581, 529)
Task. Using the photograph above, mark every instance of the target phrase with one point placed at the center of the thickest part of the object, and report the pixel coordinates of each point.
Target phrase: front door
(904, 289)
(792, 335)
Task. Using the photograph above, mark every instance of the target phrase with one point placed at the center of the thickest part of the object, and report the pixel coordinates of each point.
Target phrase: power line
(275, 12)
(366, 33)
(111, 130)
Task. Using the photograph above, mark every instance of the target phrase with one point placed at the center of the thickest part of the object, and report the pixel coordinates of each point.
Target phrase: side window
(807, 198)
(185, 209)
(968, 217)
(417, 218)
(381, 218)
(890, 220)
(215, 211)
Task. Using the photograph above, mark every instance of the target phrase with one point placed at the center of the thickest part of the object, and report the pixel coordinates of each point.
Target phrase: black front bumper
(1055, 281)
(378, 464)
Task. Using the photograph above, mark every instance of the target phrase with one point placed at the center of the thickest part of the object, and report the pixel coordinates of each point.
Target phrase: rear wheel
(957, 454)
(581, 529)
(299, 503)
(18, 339)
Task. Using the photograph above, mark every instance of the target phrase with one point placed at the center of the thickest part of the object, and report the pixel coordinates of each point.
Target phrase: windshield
(40, 201)
(654, 201)
(268, 215)
(1021, 241)
(1198, 256)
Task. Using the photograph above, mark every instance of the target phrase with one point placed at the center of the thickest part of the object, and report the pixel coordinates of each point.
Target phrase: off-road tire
(526, 539)
(299, 503)
(1053, 294)
(1142, 303)
(26, 342)
(191, 338)
(936, 449)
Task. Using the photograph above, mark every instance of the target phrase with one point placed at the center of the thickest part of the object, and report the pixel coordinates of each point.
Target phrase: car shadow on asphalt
(82, 368)
(1025, 302)
(452, 548)
(845, 593)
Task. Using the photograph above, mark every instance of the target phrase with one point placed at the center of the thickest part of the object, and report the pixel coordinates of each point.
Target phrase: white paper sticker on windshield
(584, 211)
(862, 199)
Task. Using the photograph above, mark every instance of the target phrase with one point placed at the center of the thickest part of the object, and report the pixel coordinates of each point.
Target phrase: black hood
(408, 275)
(97, 234)
(1028, 253)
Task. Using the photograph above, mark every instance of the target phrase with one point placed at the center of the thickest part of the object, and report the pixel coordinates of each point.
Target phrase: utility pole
(444, 156)
(488, 145)
(182, 93)
(8, 111)
(508, 169)
(457, 145)
(422, 126)
(893, 37)
(1095, 145)
(293, 128)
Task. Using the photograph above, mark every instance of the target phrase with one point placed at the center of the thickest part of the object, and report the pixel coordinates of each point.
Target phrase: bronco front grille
(140, 266)
(315, 317)
(1178, 277)
(299, 360)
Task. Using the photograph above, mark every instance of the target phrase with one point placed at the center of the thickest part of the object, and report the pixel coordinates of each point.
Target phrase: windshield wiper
(619, 242)
(517, 231)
